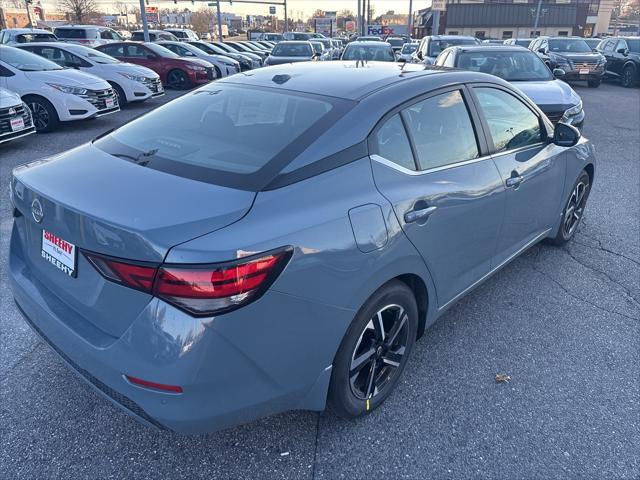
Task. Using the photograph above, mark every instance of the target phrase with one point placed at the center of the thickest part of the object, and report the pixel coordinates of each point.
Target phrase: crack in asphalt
(626, 290)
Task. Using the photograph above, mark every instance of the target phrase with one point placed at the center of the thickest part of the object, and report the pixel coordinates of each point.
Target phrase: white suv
(17, 36)
(15, 117)
(132, 83)
(87, 35)
(184, 34)
(53, 93)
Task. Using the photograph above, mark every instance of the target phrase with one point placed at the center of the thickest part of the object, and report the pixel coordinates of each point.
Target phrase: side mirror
(542, 50)
(559, 73)
(623, 51)
(566, 135)
(419, 55)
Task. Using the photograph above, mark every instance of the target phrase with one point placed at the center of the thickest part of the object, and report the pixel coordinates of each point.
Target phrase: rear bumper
(270, 356)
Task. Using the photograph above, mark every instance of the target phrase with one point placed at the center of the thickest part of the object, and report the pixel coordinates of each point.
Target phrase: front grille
(7, 114)
(98, 98)
(590, 64)
(554, 116)
(117, 397)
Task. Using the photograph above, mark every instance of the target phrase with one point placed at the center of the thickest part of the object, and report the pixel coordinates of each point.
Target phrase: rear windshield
(179, 34)
(75, 33)
(436, 46)
(409, 47)
(228, 135)
(139, 36)
(36, 37)
(395, 42)
(377, 53)
(292, 50)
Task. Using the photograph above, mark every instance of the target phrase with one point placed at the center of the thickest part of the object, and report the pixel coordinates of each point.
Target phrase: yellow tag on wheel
(367, 405)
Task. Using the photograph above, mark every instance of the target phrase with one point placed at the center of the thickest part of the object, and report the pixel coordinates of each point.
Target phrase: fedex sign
(386, 30)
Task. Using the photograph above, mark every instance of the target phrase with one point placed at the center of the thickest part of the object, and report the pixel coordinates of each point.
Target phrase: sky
(296, 8)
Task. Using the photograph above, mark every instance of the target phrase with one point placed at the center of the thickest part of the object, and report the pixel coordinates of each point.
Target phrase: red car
(175, 72)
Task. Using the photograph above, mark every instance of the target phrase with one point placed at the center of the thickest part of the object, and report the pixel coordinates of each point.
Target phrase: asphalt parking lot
(563, 323)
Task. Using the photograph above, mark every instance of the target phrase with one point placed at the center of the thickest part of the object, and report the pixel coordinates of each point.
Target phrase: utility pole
(435, 24)
(535, 24)
(219, 21)
(359, 20)
(286, 18)
(145, 24)
(410, 19)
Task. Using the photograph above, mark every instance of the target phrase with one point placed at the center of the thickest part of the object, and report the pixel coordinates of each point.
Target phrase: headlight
(602, 61)
(196, 68)
(135, 78)
(69, 89)
(575, 110)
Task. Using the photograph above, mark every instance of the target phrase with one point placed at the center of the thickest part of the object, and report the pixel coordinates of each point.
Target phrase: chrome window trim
(519, 149)
(405, 170)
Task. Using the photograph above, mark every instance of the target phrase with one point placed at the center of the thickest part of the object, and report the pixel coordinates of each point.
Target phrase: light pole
(535, 24)
(410, 19)
(145, 25)
(219, 16)
(27, 2)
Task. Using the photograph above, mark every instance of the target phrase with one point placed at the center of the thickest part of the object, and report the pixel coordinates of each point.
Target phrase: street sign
(272, 10)
(440, 5)
(350, 26)
(153, 16)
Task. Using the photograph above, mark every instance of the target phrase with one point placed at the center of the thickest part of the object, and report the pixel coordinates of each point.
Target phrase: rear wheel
(573, 210)
(178, 80)
(594, 83)
(374, 352)
(218, 73)
(45, 117)
(627, 76)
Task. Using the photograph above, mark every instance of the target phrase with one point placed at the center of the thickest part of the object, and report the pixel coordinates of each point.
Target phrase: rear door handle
(514, 182)
(416, 215)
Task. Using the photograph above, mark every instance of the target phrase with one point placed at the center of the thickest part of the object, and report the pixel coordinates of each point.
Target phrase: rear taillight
(200, 290)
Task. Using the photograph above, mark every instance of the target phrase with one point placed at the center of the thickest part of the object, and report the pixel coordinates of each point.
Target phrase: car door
(532, 168)
(140, 55)
(619, 59)
(429, 161)
(607, 51)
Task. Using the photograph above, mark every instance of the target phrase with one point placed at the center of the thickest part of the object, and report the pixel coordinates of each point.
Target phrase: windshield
(395, 42)
(223, 130)
(75, 33)
(378, 53)
(92, 54)
(569, 45)
(225, 48)
(207, 48)
(509, 65)
(35, 37)
(26, 61)
(160, 50)
(633, 44)
(436, 46)
(409, 48)
(292, 50)
(178, 33)
(523, 43)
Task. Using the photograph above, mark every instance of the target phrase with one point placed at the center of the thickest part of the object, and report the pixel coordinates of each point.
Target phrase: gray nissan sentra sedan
(279, 239)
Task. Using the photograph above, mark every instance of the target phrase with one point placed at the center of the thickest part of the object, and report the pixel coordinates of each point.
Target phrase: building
(17, 17)
(516, 18)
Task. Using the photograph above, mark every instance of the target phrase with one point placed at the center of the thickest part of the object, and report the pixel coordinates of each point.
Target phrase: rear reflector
(200, 290)
(154, 385)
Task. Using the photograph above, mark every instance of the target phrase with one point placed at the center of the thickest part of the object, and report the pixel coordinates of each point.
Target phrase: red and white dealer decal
(59, 253)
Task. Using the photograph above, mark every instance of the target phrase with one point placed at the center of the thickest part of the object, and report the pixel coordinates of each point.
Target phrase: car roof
(48, 44)
(369, 43)
(350, 80)
(80, 26)
(489, 48)
(451, 37)
(26, 30)
(297, 42)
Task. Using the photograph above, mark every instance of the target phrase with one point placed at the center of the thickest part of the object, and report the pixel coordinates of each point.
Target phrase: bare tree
(78, 10)
(12, 3)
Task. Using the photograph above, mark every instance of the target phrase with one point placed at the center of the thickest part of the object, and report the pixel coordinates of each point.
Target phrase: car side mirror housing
(419, 55)
(566, 135)
(559, 72)
(623, 51)
(542, 50)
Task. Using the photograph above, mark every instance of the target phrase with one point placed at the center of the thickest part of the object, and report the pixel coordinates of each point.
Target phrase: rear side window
(442, 131)
(223, 134)
(35, 37)
(511, 123)
(113, 50)
(393, 144)
(72, 33)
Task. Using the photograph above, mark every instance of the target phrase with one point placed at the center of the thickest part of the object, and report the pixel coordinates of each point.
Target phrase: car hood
(68, 76)
(9, 98)
(549, 92)
(129, 68)
(577, 57)
(113, 206)
(191, 60)
(280, 60)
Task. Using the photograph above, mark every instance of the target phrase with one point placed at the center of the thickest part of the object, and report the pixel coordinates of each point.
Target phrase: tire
(627, 76)
(362, 351)
(122, 98)
(594, 83)
(573, 210)
(45, 117)
(218, 73)
(178, 80)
